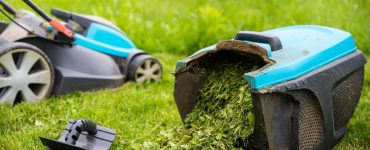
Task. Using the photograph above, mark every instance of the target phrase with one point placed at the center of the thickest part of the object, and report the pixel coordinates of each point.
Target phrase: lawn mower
(303, 97)
(40, 56)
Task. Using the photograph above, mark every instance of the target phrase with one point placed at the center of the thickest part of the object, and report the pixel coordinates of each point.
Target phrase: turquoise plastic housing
(305, 48)
(106, 40)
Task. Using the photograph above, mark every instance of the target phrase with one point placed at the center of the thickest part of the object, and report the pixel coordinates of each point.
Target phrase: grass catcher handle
(52, 21)
(273, 41)
(7, 7)
(78, 127)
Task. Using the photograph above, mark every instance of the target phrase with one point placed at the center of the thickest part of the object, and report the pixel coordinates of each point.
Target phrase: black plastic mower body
(310, 112)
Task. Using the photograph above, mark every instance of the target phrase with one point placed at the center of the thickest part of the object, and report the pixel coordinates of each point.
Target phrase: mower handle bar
(273, 41)
(7, 7)
(38, 10)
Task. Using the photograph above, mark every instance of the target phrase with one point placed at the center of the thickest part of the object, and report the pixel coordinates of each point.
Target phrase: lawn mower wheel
(144, 68)
(26, 73)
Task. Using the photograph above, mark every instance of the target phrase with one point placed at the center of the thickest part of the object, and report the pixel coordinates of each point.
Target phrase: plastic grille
(345, 98)
(311, 122)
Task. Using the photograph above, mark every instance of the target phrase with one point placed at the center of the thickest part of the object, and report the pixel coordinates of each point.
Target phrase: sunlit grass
(173, 30)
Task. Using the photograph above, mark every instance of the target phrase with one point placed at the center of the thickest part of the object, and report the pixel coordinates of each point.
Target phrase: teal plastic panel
(109, 36)
(106, 40)
(305, 48)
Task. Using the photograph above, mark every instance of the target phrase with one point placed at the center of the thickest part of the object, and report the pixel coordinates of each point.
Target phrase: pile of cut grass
(222, 115)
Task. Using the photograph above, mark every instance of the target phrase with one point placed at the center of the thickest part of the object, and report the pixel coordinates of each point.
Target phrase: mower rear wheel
(144, 68)
(26, 74)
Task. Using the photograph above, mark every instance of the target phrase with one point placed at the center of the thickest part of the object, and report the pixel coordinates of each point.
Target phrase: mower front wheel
(26, 74)
(144, 68)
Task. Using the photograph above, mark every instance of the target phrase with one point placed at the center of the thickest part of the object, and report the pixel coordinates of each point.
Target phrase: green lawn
(171, 30)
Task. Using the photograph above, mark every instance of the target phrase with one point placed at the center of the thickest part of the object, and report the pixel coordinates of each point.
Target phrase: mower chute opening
(227, 52)
(214, 99)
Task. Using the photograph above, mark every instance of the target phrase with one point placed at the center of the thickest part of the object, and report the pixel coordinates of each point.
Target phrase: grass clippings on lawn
(222, 115)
